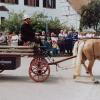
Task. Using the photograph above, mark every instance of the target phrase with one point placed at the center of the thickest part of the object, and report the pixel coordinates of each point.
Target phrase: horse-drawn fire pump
(39, 69)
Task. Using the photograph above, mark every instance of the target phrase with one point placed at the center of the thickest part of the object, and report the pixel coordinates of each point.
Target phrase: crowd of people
(60, 44)
(55, 44)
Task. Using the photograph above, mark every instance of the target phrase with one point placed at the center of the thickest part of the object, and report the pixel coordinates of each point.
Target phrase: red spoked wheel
(39, 69)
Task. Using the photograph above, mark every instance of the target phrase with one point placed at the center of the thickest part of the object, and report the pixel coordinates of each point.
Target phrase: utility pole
(46, 26)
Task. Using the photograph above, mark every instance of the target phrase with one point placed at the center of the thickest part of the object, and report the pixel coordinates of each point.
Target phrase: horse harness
(84, 44)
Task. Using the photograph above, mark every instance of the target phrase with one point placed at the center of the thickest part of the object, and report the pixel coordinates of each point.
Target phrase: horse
(86, 50)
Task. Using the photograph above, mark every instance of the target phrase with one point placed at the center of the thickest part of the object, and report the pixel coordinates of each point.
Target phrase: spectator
(9, 35)
(55, 48)
(54, 37)
(75, 37)
(69, 41)
(38, 40)
(43, 36)
(20, 40)
(48, 47)
(61, 42)
(2, 38)
(14, 39)
(61, 33)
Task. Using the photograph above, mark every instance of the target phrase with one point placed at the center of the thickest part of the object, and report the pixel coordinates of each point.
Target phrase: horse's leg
(78, 61)
(90, 66)
(85, 66)
(77, 67)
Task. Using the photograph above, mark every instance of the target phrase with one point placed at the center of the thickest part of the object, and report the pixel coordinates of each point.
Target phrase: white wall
(4, 14)
(62, 8)
(72, 18)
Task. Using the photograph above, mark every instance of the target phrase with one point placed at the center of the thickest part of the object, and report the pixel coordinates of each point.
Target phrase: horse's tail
(77, 50)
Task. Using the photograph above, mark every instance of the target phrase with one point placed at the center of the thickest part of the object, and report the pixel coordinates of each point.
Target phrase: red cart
(39, 69)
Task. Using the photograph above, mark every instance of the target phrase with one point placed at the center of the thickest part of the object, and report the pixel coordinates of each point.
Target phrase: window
(2, 19)
(34, 3)
(49, 3)
(9, 1)
(2, 0)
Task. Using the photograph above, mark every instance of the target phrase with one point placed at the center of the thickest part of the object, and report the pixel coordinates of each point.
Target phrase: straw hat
(26, 16)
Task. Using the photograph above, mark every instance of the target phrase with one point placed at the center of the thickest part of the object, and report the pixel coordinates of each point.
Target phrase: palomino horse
(86, 50)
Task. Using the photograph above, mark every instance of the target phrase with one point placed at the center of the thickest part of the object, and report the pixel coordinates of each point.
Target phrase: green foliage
(39, 22)
(14, 22)
(90, 15)
(54, 23)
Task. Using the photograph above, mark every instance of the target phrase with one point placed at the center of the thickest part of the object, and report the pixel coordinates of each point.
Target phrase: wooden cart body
(39, 68)
(10, 57)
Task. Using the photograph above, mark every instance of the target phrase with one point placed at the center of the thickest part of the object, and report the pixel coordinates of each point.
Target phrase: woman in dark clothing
(69, 43)
(27, 33)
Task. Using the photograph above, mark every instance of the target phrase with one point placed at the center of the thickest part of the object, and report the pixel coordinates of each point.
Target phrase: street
(16, 84)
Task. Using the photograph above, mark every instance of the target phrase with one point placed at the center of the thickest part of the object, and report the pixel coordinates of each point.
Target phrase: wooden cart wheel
(39, 69)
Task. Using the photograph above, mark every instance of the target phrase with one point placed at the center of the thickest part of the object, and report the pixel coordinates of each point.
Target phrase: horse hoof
(87, 72)
(93, 79)
(96, 82)
(74, 76)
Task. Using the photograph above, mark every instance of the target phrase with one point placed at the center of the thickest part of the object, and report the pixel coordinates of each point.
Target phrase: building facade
(61, 9)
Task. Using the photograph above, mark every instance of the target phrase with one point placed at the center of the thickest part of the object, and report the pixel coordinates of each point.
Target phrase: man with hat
(27, 32)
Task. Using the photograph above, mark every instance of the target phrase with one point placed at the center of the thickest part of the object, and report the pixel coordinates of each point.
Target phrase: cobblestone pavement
(16, 84)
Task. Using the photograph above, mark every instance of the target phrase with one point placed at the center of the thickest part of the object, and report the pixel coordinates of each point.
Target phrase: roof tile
(3, 8)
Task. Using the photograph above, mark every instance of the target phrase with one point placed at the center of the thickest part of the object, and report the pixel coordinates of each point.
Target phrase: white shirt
(2, 39)
(61, 35)
(54, 39)
(14, 40)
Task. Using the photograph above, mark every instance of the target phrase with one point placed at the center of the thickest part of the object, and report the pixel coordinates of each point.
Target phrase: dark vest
(27, 32)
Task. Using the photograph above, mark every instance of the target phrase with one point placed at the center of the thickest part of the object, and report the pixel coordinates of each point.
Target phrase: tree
(14, 22)
(54, 25)
(90, 15)
(39, 22)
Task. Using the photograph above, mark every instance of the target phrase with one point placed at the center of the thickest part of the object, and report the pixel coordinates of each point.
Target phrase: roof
(77, 4)
(3, 8)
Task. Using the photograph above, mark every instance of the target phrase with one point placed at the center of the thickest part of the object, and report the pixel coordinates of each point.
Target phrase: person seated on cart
(27, 32)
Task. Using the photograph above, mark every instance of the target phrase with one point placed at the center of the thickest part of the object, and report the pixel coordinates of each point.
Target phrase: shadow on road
(55, 80)
(9, 78)
(87, 80)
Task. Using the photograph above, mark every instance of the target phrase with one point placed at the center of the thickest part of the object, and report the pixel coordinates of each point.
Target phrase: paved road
(16, 85)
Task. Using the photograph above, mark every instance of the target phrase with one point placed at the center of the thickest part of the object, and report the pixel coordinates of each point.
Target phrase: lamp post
(46, 23)
(46, 26)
